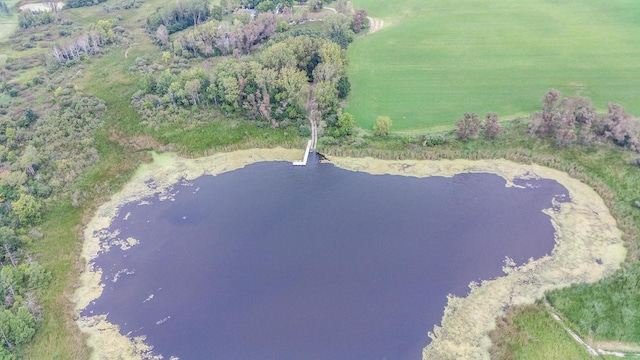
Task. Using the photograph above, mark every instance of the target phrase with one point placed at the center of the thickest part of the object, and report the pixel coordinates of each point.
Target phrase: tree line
(282, 84)
(41, 152)
(86, 44)
(566, 121)
(230, 30)
(221, 38)
(180, 16)
(575, 120)
(28, 19)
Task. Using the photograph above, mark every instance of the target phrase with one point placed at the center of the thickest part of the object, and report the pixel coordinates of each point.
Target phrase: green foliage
(105, 29)
(27, 118)
(530, 332)
(257, 3)
(222, 38)
(28, 19)
(18, 309)
(9, 239)
(265, 6)
(315, 5)
(37, 277)
(339, 29)
(18, 327)
(610, 309)
(382, 126)
(344, 87)
(344, 126)
(180, 16)
(4, 8)
(275, 88)
(69, 4)
(429, 140)
(27, 209)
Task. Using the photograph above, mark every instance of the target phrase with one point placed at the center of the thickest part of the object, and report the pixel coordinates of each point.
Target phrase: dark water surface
(280, 262)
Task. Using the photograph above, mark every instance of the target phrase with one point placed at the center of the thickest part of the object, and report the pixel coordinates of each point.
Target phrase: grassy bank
(434, 60)
(531, 333)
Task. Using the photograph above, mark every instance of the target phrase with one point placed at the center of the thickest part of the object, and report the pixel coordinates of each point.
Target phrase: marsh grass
(606, 310)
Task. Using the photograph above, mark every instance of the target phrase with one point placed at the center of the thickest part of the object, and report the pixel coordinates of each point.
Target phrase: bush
(27, 209)
(430, 140)
(468, 127)
(344, 87)
(344, 126)
(491, 126)
(382, 126)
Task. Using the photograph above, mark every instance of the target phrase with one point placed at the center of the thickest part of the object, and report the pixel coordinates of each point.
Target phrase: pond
(273, 261)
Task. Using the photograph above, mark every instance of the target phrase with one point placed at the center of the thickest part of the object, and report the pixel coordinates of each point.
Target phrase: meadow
(8, 22)
(434, 60)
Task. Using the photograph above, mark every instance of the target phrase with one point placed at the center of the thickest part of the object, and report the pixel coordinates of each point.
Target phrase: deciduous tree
(468, 127)
(382, 126)
(491, 126)
(344, 126)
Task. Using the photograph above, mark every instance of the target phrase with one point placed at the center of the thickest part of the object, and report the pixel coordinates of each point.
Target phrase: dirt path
(375, 24)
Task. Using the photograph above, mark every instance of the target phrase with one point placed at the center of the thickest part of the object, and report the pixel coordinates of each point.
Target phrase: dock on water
(306, 155)
(311, 144)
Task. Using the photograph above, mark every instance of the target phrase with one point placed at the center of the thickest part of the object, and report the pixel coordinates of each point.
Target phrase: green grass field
(436, 59)
(8, 23)
(531, 333)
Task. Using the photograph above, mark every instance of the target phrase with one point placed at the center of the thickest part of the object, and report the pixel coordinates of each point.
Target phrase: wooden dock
(311, 145)
(306, 155)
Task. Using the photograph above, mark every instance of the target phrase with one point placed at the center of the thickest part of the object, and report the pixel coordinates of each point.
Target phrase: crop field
(436, 59)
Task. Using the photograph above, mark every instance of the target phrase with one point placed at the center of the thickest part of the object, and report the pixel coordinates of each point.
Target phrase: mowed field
(436, 59)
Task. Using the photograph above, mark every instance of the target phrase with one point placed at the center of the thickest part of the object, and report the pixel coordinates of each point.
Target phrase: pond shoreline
(580, 255)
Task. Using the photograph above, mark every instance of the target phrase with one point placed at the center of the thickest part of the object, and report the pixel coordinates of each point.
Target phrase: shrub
(27, 209)
(344, 126)
(468, 127)
(491, 126)
(382, 126)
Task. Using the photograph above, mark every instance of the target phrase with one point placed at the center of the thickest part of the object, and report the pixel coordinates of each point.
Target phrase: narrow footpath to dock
(311, 144)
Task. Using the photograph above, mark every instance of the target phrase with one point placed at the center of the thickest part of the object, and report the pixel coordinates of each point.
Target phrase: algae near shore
(581, 254)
